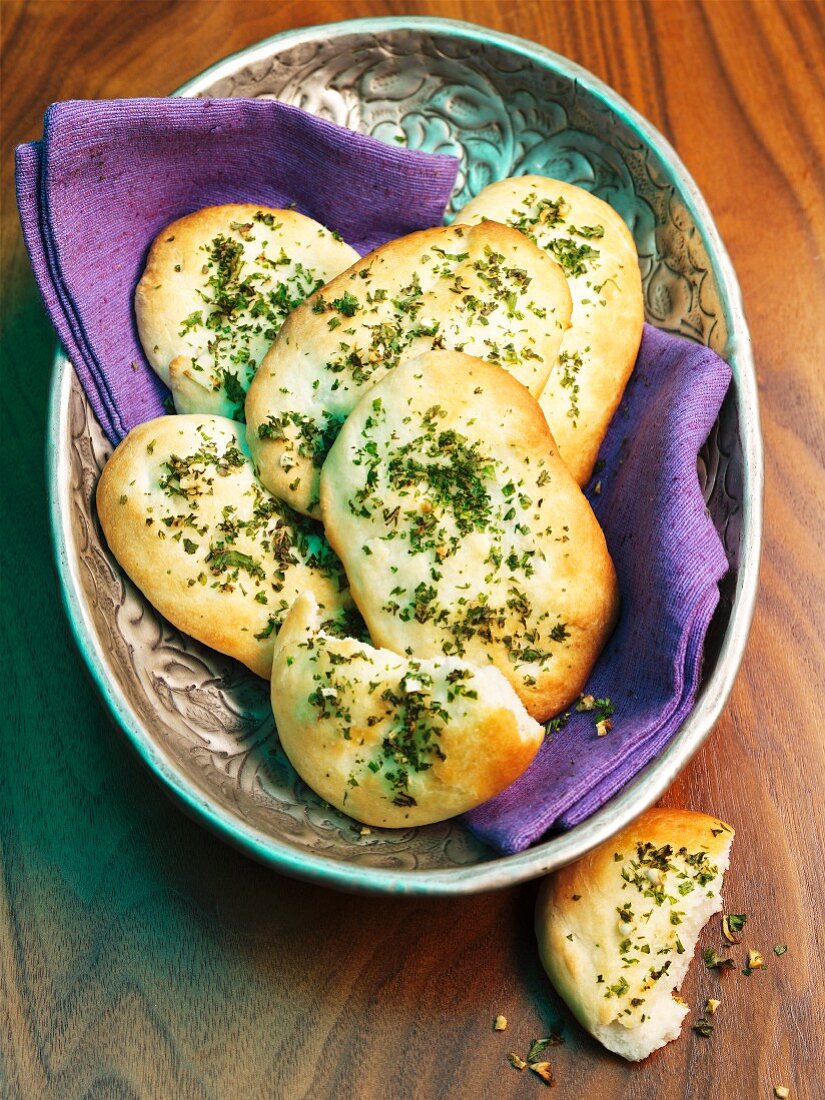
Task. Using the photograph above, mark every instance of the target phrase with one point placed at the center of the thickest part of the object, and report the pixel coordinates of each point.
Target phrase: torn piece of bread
(216, 289)
(487, 291)
(618, 928)
(462, 531)
(393, 741)
(597, 252)
(210, 548)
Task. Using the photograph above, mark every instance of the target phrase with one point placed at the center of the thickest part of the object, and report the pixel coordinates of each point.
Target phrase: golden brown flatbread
(391, 740)
(486, 290)
(462, 531)
(598, 255)
(217, 287)
(210, 548)
(618, 928)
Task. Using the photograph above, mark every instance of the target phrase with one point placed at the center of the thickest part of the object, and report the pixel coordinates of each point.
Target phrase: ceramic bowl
(505, 107)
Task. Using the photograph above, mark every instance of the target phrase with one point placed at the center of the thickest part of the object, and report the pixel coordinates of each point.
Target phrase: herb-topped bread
(210, 548)
(394, 741)
(597, 253)
(217, 287)
(463, 533)
(486, 290)
(618, 928)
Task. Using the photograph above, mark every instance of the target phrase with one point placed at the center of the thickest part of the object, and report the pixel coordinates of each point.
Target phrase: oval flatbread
(618, 928)
(597, 253)
(462, 531)
(210, 548)
(216, 289)
(486, 290)
(391, 740)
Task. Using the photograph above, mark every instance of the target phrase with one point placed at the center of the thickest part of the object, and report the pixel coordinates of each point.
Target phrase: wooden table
(143, 958)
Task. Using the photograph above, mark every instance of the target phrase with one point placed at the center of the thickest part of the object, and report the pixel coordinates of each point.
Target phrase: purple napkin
(109, 175)
(670, 560)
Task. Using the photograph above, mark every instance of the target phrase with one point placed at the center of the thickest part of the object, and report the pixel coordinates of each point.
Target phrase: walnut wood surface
(141, 957)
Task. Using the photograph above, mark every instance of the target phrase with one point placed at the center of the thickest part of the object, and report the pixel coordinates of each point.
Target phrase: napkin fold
(669, 559)
(109, 175)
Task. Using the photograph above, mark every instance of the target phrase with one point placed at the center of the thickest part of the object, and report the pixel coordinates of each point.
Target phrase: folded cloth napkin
(109, 175)
(669, 559)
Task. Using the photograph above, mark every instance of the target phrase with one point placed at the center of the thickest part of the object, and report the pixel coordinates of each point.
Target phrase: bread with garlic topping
(617, 929)
(486, 290)
(210, 548)
(462, 531)
(394, 741)
(598, 255)
(216, 289)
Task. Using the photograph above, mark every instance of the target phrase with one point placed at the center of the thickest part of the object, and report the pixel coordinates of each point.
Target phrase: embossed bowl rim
(649, 784)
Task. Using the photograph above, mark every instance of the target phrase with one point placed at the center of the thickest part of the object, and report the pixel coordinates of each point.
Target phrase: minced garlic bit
(500, 1023)
(782, 1091)
(544, 1071)
(755, 960)
(515, 1061)
(731, 924)
(711, 1005)
(602, 712)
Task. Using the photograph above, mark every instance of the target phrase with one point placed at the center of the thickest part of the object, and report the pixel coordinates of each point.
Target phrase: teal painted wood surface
(140, 956)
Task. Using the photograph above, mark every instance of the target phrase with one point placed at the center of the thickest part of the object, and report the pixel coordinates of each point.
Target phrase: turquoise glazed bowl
(505, 107)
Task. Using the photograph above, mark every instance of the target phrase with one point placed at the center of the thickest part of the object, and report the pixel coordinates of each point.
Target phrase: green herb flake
(714, 961)
(554, 1039)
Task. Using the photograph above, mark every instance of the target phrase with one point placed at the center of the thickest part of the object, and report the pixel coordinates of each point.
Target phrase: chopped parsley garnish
(538, 212)
(313, 440)
(571, 363)
(555, 725)
(554, 1039)
(573, 258)
(714, 961)
(245, 304)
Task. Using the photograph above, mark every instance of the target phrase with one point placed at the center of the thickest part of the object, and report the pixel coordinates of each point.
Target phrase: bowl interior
(505, 108)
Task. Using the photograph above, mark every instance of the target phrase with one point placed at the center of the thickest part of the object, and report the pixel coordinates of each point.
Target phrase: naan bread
(217, 287)
(618, 928)
(487, 291)
(210, 548)
(391, 740)
(462, 531)
(596, 250)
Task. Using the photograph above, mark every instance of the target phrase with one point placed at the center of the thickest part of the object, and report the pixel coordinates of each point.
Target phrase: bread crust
(462, 531)
(213, 552)
(486, 290)
(587, 912)
(243, 263)
(345, 712)
(599, 349)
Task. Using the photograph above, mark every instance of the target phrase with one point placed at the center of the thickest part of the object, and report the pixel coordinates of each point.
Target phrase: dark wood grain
(139, 956)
